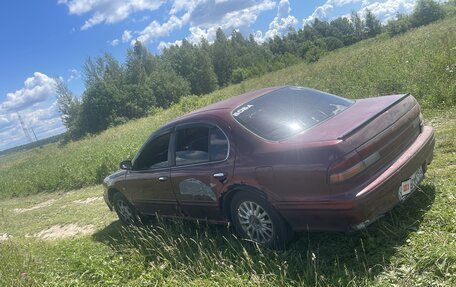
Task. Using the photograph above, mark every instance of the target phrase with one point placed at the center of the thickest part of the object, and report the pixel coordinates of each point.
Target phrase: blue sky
(42, 40)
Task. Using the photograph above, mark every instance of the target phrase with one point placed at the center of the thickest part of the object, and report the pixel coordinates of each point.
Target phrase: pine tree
(70, 109)
(222, 58)
(425, 12)
(372, 24)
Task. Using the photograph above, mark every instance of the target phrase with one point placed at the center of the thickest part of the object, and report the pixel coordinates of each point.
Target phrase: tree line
(115, 93)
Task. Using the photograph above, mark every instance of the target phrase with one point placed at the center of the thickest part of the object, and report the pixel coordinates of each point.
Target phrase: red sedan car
(278, 160)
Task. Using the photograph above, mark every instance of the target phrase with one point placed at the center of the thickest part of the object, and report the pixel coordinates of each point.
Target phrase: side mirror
(126, 165)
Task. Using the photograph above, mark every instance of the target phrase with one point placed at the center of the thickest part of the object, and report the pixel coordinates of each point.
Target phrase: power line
(36, 139)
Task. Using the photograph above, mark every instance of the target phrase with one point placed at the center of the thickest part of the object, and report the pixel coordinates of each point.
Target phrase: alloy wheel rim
(125, 211)
(255, 222)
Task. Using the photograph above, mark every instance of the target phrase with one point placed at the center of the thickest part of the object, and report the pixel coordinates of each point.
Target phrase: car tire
(254, 218)
(126, 212)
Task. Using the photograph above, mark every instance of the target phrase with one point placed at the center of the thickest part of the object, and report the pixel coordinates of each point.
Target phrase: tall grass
(408, 247)
(421, 62)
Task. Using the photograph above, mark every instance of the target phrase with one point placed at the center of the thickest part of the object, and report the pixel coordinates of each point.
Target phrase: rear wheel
(254, 218)
(126, 212)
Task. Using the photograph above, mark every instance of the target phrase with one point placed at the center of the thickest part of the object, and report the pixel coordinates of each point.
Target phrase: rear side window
(218, 145)
(200, 144)
(288, 111)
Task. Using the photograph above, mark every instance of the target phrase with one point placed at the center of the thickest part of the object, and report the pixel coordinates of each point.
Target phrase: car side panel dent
(194, 187)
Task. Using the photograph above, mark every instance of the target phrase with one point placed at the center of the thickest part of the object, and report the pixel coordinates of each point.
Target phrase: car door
(148, 184)
(203, 164)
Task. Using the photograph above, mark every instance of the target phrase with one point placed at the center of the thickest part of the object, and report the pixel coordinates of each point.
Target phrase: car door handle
(220, 176)
(163, 178)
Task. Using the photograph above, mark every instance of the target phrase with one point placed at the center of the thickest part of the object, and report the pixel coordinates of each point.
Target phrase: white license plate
(409, 185)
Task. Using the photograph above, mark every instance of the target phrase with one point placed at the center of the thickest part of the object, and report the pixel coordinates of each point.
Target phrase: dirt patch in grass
(60, 231)
(4, 237)
(40, 205)
(88, 200)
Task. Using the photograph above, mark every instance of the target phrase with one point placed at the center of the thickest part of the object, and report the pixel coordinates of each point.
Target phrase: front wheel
(254, 218)
(126, 212)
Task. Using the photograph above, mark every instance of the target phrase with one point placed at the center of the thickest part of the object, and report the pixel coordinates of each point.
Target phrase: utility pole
(24, 128)
(36, 139)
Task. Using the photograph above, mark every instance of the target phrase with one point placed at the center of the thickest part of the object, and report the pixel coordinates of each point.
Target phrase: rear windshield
(288, 111)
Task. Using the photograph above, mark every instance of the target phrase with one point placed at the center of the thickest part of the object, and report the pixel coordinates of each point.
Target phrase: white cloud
(212, 11)
(44, 115)
(339, 3)
(203, 17)
(164, 45)
(155, 29)
(11, 137)
(198, 33)
(281, 23)
(44, 122)
(126, 36)
(383, 10)
(74, 75)
(321, 13)
(258, 36)
(36, 89)
(3, 121)
(228, 15)
(108, 11)
(142, 19)
(183, 5)
(114, 42)
(388, 9)
(36, 102)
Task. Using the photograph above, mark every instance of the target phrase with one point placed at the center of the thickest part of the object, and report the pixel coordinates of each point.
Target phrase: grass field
(414, 245)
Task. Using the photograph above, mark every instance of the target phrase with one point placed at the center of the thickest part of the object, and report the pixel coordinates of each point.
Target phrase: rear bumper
(359, 207)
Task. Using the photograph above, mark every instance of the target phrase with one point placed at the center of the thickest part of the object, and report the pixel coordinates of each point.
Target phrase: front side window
(288, 111)
(200, 144)
(154, 154)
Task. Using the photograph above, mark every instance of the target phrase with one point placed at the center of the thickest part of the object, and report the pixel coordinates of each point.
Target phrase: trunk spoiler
(361, 125)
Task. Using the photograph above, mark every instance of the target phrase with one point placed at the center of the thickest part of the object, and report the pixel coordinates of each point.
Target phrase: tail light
(349, 166)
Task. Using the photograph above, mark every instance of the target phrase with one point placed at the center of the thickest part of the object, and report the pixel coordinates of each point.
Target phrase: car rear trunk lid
(380, 131)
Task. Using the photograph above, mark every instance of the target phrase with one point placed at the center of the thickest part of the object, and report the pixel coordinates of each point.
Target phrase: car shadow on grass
(311, 258)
